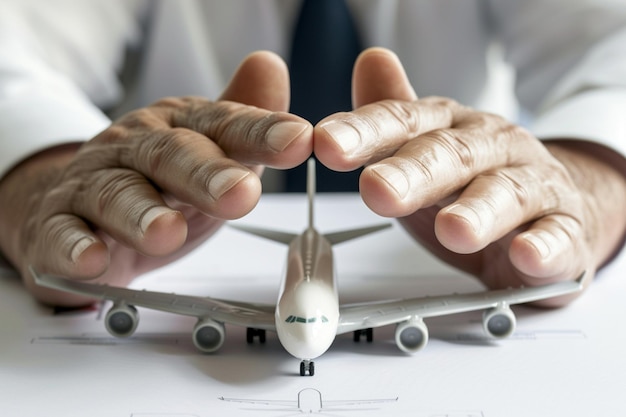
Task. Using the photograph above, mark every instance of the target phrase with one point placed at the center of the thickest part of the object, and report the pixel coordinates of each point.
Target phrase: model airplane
(308, 316)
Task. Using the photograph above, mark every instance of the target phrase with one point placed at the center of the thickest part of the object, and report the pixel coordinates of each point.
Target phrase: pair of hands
(478, 191)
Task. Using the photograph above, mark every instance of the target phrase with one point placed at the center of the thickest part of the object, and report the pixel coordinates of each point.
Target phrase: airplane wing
(259, 316)
(377, 314)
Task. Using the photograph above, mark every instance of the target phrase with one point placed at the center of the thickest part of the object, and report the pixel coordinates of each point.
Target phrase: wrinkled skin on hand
(155, 184)
(478, 191)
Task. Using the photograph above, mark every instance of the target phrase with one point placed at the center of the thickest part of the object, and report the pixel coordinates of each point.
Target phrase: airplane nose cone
(307, 325)
(307, 341)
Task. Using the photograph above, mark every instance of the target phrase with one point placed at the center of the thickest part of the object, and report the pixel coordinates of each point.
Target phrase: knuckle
(455, 145)
(174, 111)
(58, 196)
(563, 228)
(229, 123)
(537, 191)
(115, 133)
(173, 102)
(403, 114)
(518, 134)
(166, 112)
(176, 150)
(445, 108)
(422, 168)
(440, 101)
(207, 117)
(408, 119)
(251, 129)
(255, 133)
(555, 178)
(50, 222)
(517, 188)
(261, 123)
(59, 238)
(143, 118)
(105, 194)
(164, 150)
(563, 198)
(109, 188)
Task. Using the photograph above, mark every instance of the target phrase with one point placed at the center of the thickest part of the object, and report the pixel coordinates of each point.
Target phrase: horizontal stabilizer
(338, 237)
(275, 235)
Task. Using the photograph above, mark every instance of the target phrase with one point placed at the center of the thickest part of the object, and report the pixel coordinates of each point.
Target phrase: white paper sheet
(566, 362)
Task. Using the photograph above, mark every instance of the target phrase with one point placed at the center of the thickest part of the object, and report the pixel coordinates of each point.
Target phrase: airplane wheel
(368, 333)
(307, 367)
(252, 333)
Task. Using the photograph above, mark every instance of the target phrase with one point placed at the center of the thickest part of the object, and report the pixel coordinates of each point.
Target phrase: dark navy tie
(325, 46)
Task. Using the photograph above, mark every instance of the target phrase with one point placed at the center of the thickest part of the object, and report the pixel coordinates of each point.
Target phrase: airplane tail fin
(280, 236)
(275, 235)
(333, 238)
(336, 237)
(310, 189)
(339, 237)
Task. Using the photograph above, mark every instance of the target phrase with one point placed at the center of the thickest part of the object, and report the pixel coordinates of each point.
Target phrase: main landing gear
(368, 333)
(252, 333)
(307, 366)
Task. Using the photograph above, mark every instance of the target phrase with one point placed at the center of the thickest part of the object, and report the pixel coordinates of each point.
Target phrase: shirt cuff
(597, 115)
(31, 124)
(594, 115)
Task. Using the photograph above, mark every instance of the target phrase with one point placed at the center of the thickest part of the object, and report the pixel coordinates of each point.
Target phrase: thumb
(262, 80)
(379, 75)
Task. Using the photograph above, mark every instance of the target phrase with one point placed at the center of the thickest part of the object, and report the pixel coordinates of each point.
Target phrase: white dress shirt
(61, 60)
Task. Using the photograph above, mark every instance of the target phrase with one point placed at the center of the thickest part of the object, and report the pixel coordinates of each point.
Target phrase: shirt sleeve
(570, 62)
(58, 67)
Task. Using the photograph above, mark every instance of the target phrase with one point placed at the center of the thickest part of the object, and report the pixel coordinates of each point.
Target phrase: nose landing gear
(307, 366)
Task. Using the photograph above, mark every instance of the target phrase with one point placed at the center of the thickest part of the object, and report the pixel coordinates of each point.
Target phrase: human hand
(153, 185)
(479, 192)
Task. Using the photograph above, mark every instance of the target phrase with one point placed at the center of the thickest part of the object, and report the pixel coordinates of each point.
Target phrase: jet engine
(411, 335)
(121, 320)
(499, 322)
(208, 335)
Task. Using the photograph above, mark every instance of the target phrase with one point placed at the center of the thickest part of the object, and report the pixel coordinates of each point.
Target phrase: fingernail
(224, 180)
(539, 244)
(345, 135)
(468, 214)
(80, 246)
(152, 213)
(394, 177)
(280, 135)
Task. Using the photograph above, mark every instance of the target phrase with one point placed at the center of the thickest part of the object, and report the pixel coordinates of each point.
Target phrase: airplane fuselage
(307, 312)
